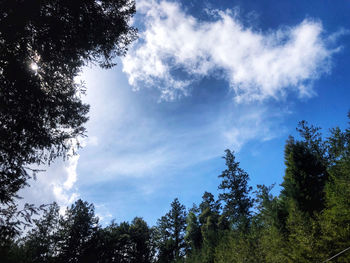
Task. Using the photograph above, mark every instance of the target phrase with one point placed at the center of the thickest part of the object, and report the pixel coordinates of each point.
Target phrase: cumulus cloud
(176, 49)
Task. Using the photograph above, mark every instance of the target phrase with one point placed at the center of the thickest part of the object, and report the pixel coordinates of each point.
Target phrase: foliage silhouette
(44, 45)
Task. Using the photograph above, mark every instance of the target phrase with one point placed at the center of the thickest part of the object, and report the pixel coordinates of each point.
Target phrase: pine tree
(305, 177)
(235, 192)
(171, 231)
(193, 235)
(77, 231)
(335, 219)
(140, 235)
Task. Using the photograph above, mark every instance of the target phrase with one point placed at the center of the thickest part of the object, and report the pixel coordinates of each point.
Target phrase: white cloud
(71, 171)
(137, 147)
(258, 123)
(56, 183)
(258, 65)
(103, 213)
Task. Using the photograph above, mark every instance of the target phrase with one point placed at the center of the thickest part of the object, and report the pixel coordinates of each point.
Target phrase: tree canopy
(43, 46)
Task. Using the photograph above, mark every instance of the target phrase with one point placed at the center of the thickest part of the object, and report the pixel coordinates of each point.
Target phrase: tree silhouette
(43, 46)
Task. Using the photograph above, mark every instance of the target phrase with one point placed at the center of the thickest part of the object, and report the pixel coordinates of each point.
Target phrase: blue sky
(204, 76)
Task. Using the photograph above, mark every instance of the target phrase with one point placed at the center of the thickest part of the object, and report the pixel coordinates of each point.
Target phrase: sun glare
(34, 66)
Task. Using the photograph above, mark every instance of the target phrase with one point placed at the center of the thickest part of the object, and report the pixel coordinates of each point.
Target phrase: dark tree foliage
(171, 233)
(141, 237)
(125, 243)
(208, 202)
(77, 237)
(40, 244)
(338, 144)
(312, 137)
(77, 234)
(306, 170)
(114, 243)
(14, 220)
(236, 190)
(43, 45)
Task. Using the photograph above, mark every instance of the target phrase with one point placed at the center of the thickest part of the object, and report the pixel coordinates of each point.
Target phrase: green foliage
(210, 236)
(305, 177)
(236, 191)
(208, 202)
(303, 236)
(114, 243)
(141, 238)
(335, 219)
(269, 207)
(308, 222)
(193, 235)
(274, 245)
(237, 248)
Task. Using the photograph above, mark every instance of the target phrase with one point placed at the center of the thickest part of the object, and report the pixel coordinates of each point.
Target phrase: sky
(204, 76)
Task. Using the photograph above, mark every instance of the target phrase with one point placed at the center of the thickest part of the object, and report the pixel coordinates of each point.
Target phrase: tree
(171, 231)
(114, 243)
(43, 45)
(236, 191)
(335, 218)
(303, 234)
(209, 219)
(77, 234)
(41, 242)
(208, 202)
(193, 235)
(306, 171)
(140, 235)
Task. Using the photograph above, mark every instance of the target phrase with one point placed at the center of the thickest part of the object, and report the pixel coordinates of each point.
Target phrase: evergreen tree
(271, 219)
(335, 219)
(305, 177)
(40, 243)
(77, 233)
(281, 229)
(140, 234)
(235, 191)
(193, 235)
(209, 218)
(208, 202)
(303, 235)
(43, 46)
(114, 243)
(171, 231)
(210, 237)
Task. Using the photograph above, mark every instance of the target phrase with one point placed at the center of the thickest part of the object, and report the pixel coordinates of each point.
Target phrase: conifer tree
(237, 202)
(77, 233)
(171, 231)
(40, 244)
(305, 178)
